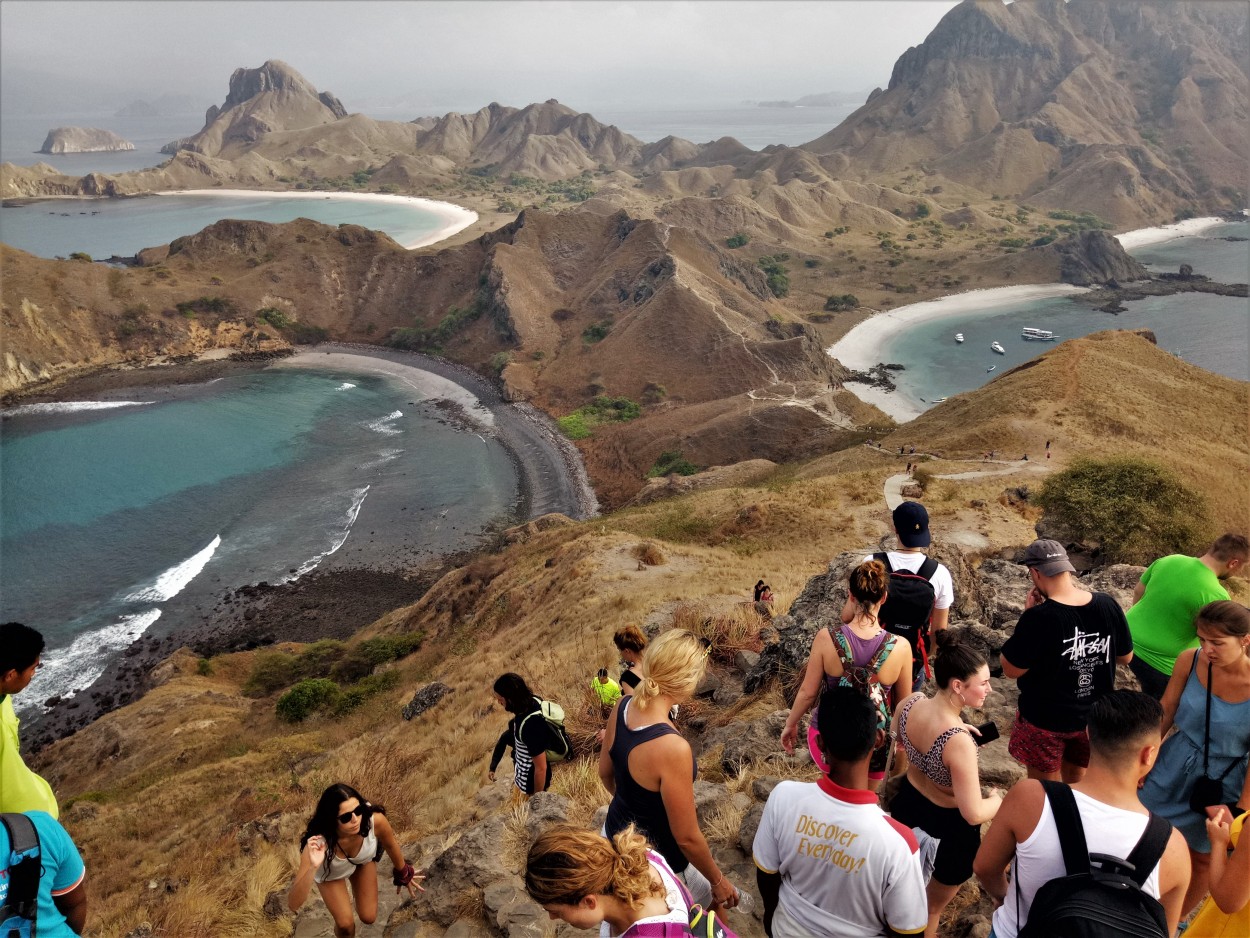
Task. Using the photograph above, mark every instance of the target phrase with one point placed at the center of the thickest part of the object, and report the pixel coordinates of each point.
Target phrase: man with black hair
(1124, 740)
(20, 788)
(829, 861)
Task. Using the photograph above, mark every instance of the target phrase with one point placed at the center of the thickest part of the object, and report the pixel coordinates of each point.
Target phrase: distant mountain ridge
(1124, 108)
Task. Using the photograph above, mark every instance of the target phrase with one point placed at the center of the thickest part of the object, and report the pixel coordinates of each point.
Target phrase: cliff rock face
(1093, 257)
(1132, 110)
(83, 140)
(261, 101)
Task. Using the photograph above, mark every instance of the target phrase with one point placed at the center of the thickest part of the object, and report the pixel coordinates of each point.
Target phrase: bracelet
(403, 876)
(719, 881)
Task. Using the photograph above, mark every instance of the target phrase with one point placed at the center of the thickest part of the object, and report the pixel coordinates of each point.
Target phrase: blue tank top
(633, 804)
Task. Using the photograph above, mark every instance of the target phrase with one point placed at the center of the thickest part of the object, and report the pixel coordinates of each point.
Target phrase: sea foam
(69, 407)
(383, 424)
(340, 537)
(174, 580)
(66, 670)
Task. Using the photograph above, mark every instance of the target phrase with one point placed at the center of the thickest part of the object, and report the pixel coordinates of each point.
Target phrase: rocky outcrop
(1132, 110)
(1094, 257)
(83, 140)
(261, 101)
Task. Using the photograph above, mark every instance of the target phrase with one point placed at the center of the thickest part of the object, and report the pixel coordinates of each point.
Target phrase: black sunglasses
(346, 817)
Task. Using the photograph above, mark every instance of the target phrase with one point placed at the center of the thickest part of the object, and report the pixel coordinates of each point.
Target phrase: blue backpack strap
(24, 862)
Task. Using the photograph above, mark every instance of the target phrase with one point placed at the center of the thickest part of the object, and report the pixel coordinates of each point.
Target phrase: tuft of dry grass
(650, 554)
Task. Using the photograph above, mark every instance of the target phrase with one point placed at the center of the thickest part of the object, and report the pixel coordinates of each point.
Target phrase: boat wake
(383, 458)
(345, 386)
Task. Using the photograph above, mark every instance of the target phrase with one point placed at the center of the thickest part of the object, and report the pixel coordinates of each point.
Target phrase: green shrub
(80, 256)
(271, 671)
(391, 647)
(737, 241)
(204, 667)
(499, 361)
(837, 304)
(352, 697)
(597, 332)
(671, 461)
(274, 316)
(306, 698)
(574, 426)
(304, 334)
(1136, 510)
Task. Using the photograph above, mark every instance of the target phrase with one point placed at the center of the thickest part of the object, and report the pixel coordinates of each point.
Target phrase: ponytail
(566, 864)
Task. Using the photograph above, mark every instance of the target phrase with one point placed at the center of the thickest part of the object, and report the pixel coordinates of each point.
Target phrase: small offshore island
(83, 140)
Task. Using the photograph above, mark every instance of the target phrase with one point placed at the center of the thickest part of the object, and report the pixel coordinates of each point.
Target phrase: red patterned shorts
(1044, 750)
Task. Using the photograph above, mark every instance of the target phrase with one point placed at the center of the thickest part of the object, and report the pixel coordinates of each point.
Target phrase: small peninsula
(83, 140)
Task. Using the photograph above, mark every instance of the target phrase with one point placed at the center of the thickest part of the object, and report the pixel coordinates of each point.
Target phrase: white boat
(937, 400)
(991, 368)
(998, 348)
(959, 336)
(1038, 335)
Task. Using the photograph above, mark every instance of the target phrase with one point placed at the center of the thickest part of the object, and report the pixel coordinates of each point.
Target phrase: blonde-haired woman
(586, 880)
(860, 654)
(650, 769)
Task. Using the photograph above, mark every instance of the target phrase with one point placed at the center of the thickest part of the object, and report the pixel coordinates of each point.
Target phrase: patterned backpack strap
(883, 652)
(843, 648)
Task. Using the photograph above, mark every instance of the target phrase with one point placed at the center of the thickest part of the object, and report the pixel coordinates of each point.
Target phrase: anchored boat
(959, 336)
(998, 348)
(1038, 335)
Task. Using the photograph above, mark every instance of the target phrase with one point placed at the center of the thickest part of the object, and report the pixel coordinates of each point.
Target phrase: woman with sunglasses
(650, 769)
(345, 838)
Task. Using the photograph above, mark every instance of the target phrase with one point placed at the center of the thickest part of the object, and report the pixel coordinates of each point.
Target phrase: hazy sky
(428, 55)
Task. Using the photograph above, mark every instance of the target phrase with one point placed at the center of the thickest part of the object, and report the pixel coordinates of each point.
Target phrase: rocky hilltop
(261, 101)
(1122, 108)
(83, 140)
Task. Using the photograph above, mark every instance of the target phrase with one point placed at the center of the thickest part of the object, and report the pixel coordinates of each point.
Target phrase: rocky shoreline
(1110, 299)
(333, 603)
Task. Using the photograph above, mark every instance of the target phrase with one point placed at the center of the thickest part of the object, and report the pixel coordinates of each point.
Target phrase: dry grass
(169, 781)
(649, 553)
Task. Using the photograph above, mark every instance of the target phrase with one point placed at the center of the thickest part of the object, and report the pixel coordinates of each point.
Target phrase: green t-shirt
(1162, 623)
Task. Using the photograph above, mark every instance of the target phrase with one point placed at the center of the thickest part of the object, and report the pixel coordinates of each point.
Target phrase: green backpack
(553, 713)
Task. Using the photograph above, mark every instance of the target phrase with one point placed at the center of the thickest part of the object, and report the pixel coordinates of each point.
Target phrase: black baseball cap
(911, 523)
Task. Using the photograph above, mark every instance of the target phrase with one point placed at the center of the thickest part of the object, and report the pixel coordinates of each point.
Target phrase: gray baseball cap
(1048, 558)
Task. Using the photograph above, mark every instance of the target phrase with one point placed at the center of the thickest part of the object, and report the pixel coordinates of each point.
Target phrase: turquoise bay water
(1212, 332)
(106, 227)
(121, 521)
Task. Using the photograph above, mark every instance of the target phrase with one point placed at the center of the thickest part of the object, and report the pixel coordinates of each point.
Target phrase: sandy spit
(454, 217)
(1181, 229)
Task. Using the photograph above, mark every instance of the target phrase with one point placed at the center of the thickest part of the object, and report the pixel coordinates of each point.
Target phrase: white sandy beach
(455, 218)
(1182, 229)
(425, 383)
(860, 348)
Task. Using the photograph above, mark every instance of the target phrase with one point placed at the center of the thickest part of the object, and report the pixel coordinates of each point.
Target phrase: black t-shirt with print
(1069, 652)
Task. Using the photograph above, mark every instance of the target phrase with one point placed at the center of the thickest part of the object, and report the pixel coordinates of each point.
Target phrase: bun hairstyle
(957, 659)
(673, 664)
(869, 583)
(566, 864)
(631, 637)
(1226, 617)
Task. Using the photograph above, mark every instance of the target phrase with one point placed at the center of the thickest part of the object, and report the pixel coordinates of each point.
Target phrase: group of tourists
(1117, 821)
(1098, 769)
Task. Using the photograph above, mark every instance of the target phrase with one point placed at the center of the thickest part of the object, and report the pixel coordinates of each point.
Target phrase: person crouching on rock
(583, 878)
(344, 839)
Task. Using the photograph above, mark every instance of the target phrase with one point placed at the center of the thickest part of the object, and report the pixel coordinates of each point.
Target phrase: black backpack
(1103, 901)
(18, 911)
(908, 608)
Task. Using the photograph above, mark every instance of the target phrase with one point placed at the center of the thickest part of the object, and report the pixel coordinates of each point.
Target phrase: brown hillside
(1111, 392)
(1133, 110)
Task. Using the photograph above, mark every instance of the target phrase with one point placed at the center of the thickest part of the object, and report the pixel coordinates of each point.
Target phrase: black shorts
(959, 839)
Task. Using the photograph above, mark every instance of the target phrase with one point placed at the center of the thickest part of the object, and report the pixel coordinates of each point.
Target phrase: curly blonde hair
(566, 864)
(673, 664)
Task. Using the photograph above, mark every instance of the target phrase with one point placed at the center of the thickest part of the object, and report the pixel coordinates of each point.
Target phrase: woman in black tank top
(650, 768)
